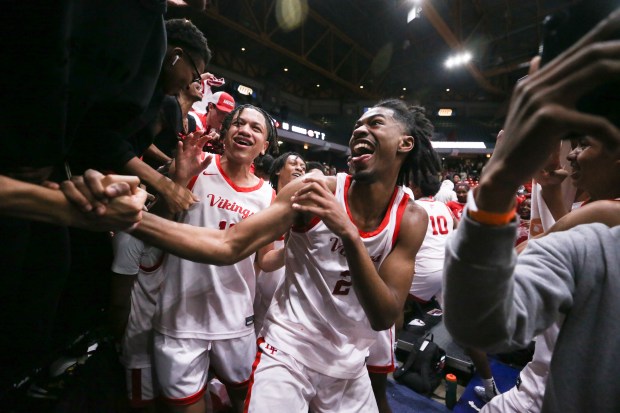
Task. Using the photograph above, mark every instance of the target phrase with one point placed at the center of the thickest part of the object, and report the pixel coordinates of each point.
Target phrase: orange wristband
(486, 217)
(492, 218)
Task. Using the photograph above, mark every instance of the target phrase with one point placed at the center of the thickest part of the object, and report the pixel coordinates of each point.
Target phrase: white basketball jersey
(133, 256)
(206, 301)
(315, 315)
(431, 255)
(266, 285)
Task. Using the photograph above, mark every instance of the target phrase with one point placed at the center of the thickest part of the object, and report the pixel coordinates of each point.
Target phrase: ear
(265, 148)
(406, 143)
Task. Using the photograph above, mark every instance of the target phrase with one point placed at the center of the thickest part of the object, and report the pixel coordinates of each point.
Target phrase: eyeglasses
(197, 77)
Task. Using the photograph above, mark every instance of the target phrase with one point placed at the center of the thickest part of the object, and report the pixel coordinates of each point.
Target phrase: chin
(364, 176)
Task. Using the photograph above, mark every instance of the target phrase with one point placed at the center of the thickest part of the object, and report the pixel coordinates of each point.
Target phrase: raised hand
(543, 109)
(315, 198)
(190, 159)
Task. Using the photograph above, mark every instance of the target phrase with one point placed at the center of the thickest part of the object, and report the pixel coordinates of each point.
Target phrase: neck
(185, 104)
(368, 202)
(239, 173)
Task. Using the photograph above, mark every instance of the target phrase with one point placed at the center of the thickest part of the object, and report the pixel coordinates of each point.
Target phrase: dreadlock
(277, 166)
(272, 133)
(422, 162)
(182, 33)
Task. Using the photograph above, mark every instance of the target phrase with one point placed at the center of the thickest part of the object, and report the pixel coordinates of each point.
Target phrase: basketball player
(349, 264)
(204, 316)
(284, 169)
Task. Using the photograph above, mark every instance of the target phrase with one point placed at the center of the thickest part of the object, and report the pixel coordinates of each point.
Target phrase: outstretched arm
(214, 246)
(23, 200)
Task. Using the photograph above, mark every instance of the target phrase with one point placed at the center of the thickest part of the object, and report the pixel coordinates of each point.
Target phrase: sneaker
(483, 395)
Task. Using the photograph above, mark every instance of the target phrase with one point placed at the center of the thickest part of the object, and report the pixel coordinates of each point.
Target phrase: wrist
(486, 217)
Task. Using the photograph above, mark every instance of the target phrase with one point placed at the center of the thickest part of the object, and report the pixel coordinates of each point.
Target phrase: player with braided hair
(422, 160)
(349, 262)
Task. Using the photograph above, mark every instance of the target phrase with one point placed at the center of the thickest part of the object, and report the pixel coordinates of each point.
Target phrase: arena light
(458, 60)
(244, 90)
(416, 11)
(444, 112)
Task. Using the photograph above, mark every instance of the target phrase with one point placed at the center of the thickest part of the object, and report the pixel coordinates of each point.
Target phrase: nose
(572, 155)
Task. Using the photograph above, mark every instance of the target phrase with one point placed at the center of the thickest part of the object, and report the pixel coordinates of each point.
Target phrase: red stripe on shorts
(246, 405)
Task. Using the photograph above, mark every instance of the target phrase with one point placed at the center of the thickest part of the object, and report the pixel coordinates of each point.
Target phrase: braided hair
(422, 162)
(183, 33)
(272, 133)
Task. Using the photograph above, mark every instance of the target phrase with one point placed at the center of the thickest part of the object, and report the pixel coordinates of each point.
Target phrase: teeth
(363, 147)
(243, 142)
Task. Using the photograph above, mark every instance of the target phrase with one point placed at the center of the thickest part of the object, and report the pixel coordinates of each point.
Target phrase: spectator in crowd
(461, 198)
(446, 192)
(569, 274)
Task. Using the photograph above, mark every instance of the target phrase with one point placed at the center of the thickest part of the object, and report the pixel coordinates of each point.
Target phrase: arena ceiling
(344, 45)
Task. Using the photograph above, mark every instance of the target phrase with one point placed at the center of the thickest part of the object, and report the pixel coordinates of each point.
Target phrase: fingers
(117, 189)
(206, 161)
(50, 185)
(132, 181)
(76, 197)
(560, 120)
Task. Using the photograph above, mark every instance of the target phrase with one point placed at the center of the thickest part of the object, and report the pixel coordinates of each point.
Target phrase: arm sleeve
(494, 301)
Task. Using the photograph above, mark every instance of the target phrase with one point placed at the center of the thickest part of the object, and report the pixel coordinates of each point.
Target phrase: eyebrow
(368, 119)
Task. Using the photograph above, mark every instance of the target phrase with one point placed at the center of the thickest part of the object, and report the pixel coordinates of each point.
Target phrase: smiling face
(595, 168)
(377, 140)
(193, 92)
(525, 208)
(246, 137)
(294, 167)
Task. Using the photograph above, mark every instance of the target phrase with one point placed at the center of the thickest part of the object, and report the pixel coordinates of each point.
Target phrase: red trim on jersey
(154, 267)
(305, 228)
(186, 401)
(386, 217)
(399, 216)
(232, 184)
(246, 405)
(192, 182)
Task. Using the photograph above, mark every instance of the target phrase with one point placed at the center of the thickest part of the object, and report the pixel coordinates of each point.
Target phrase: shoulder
(414, 222)
(605, 212)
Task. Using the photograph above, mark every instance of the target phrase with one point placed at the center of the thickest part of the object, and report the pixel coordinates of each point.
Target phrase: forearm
(28, 201)
(147, 174)
(154, 153)
(214, 246)
(379, 303)
(271, 260)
